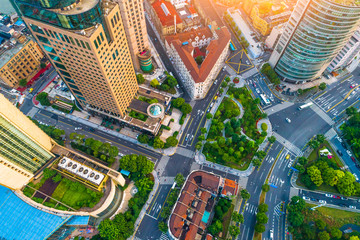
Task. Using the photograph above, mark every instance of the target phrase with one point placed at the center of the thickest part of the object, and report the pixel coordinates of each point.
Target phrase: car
(349, 152)
(339, 139)
(271, 234)
(254, 84)
(343, 198)
(288, 120)
(339, 152)
(352, 207)
(215, 82)
(306, 198)
(353, 159)
(352, 85)
(322, 201)
(120, 154)
(91, 130)
(313, 199)
(208, 110)
(287, 156)
(344, 145)
(215, 97)
(187, 137)
(78, 128)
(30, 90)
(177, 86)
(329, 195)
(217, 94)
(258, 91)
(356, 177)
(337, 197)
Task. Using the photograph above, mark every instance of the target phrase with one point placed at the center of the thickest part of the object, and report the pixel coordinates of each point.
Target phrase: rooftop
(77, 7)
(9, 50)
(196, 197)
(214, 50)
(166, 12)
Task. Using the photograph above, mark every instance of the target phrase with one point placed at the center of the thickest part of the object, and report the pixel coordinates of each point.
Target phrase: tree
(261, 218)
(143, 138)
(320, 138)
(164, 87)
(224, 84)
(303, 161)
(295, 219)
(22, 82)
(256, 162)
(179, 179)
(300, 91)
(259, 228)
(263, 207)
(171, 141)
(154, 83)
(354, 238)
(57, 178)
(96, 144)
(320, 224)
(336, 233)
(209, 116)
(140, 78)
(42, 65)
(203, 130)
(314, 144)
(234, 231)
(163, 227)
(158, 143)
(245, 194)
(315, 175)
(215, 228)
(171, 81)
(43, 99)
(178, 102)
(351, 111)
(345, 185)
(186, 108)
(323, 235)
(265, 187)
(198, 146)
(201, 138)
(237, 217)
(297, 204)
(199, 60)
(322, 86)
(300, 168)
(272, 139)
(113, 151)
(260, 154)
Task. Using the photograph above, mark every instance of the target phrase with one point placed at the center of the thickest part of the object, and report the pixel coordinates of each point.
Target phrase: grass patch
(138, 115)
(314, 155)
(226, 221)
(333, 217)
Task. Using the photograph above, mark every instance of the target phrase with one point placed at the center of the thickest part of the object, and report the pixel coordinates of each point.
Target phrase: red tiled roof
(191, 9)
(190, 235)
(215, 48)
(166, 19)
(230, 187)
(209, 237)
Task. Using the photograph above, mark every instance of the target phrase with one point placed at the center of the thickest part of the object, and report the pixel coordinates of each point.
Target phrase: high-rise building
(24, 148)
(315, 33)
(133, 16)
(86, 43)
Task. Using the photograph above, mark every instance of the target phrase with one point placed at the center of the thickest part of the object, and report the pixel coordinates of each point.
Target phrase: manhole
(134, 191)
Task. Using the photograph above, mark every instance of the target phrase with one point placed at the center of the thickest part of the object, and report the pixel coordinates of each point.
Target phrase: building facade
(347, 54)
(132, 14)
(24, 148)
(21, 61)
(315, 33)
(274, 36)
(266, 22)
(86, 43)
(185, 47)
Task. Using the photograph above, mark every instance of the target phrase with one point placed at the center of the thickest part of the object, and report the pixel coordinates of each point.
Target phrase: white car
(353, 207)
(288, 120)
(349, 152)
(356, 177)
(322, 201)
(329, 195)
(306, 198)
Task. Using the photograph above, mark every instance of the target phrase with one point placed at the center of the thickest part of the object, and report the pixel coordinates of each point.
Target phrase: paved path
(269, 126)
(278, 108)
(291, 147)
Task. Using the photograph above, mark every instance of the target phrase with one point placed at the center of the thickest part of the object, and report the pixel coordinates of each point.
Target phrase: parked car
(352, 207)
(356, 177)
(339, 152)
(329, 195)
(349, 152)
(353, 159)
(322, 201)
(91, 130)
(306, 198)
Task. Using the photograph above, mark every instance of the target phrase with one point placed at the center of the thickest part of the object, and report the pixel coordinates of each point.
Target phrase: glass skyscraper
(315, 33)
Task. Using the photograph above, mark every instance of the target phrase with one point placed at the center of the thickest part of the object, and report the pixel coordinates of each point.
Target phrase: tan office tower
(24, 148)
(86, 42)
(133, 16)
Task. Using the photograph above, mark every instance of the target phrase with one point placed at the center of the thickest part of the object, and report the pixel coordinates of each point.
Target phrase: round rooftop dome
(155, 110)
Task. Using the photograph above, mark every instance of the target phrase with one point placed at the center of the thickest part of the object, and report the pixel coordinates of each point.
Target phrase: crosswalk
(322, 114)
(164, 237)
(251, 208)
(291, 147)
(276, 181)
(330, 134)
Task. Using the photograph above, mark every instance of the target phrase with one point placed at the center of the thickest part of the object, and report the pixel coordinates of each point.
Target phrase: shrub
(264, 127)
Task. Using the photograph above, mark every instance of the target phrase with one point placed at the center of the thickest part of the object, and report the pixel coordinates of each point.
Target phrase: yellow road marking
(187, 131)
(162, 207)
(347, 95)
(157, 195)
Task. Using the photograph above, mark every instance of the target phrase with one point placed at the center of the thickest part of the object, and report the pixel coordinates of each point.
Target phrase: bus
(264, 98)
(305, 106)
(232, 47)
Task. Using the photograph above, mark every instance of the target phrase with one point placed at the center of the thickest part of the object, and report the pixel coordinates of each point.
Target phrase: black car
(339, 152)
(91, 130)
(344, 145)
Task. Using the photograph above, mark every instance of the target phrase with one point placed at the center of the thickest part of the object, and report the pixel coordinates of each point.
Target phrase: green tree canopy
(178, 102)
(186, 108)
(140, 78)
(245, 194)
(22, 82)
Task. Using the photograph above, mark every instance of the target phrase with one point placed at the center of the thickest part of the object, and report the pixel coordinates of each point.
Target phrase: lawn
(73, 197)
(333, 217)
(226, 221)
(314, 154)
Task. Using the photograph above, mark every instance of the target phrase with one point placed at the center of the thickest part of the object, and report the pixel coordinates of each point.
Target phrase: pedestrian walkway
(185, 152)
(330, 134)
(322, 114)
(164, 237)
(167, 180)
(278, 108)
(291, 147)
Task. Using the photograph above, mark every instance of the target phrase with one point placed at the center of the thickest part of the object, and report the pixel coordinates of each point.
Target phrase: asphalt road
(304, 124)
(69, 126)
(339, 96)
(37, 86)
(255, 181)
